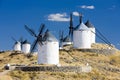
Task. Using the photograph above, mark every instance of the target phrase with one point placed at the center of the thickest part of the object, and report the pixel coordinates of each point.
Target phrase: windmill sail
(38, 37)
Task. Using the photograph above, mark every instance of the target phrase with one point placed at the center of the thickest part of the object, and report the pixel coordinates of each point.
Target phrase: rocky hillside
(104, 67)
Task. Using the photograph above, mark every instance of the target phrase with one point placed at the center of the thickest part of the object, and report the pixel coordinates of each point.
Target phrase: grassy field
(104, 67)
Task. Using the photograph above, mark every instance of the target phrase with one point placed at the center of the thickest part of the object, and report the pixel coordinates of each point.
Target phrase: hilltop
(104, 67)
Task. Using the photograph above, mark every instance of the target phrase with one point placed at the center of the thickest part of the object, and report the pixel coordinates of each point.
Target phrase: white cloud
(87, 7)
(58, 17)
(76, 13)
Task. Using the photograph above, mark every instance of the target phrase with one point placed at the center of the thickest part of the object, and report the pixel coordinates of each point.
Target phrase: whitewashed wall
(48, 53)
(17, 46)
(82, 39)
(26, 48)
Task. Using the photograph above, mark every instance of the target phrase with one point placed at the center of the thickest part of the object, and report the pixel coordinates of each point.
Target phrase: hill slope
(104, 67)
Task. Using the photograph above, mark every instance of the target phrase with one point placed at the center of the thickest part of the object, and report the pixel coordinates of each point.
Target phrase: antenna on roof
(80, 17)
(71, 28)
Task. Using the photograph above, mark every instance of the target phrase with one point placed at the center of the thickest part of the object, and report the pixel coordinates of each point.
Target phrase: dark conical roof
(17, 42)
(26, 42)
(49, 37)
(81, 26)
(67, 39)
(88, 24)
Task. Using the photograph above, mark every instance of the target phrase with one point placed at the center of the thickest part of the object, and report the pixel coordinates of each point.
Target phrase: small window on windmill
(81, 30)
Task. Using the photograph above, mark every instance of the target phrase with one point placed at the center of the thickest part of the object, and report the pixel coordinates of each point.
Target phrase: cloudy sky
(14, 14)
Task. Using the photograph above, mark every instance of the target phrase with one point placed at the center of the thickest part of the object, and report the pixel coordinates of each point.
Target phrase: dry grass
(115, 59)
(101, 46)
(74, 58)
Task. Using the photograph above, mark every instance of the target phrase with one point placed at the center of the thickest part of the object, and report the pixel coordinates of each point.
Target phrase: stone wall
(99, 51)
(56, 69)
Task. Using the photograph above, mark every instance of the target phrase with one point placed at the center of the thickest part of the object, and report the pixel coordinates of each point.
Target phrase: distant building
(17, 46)
(92, 28)
(26, 47)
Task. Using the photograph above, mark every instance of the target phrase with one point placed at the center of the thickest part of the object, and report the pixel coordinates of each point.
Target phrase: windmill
(26, 46)
(81, 35)
(47, 45)
(17, 45)
(21, 45)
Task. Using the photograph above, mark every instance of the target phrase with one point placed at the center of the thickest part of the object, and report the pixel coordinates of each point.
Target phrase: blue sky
(14, 14)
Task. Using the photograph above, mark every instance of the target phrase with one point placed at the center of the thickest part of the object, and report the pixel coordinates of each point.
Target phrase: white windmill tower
(26, 47)
(17, 45)
(48, 46)
(82, 36)
(92, 28)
